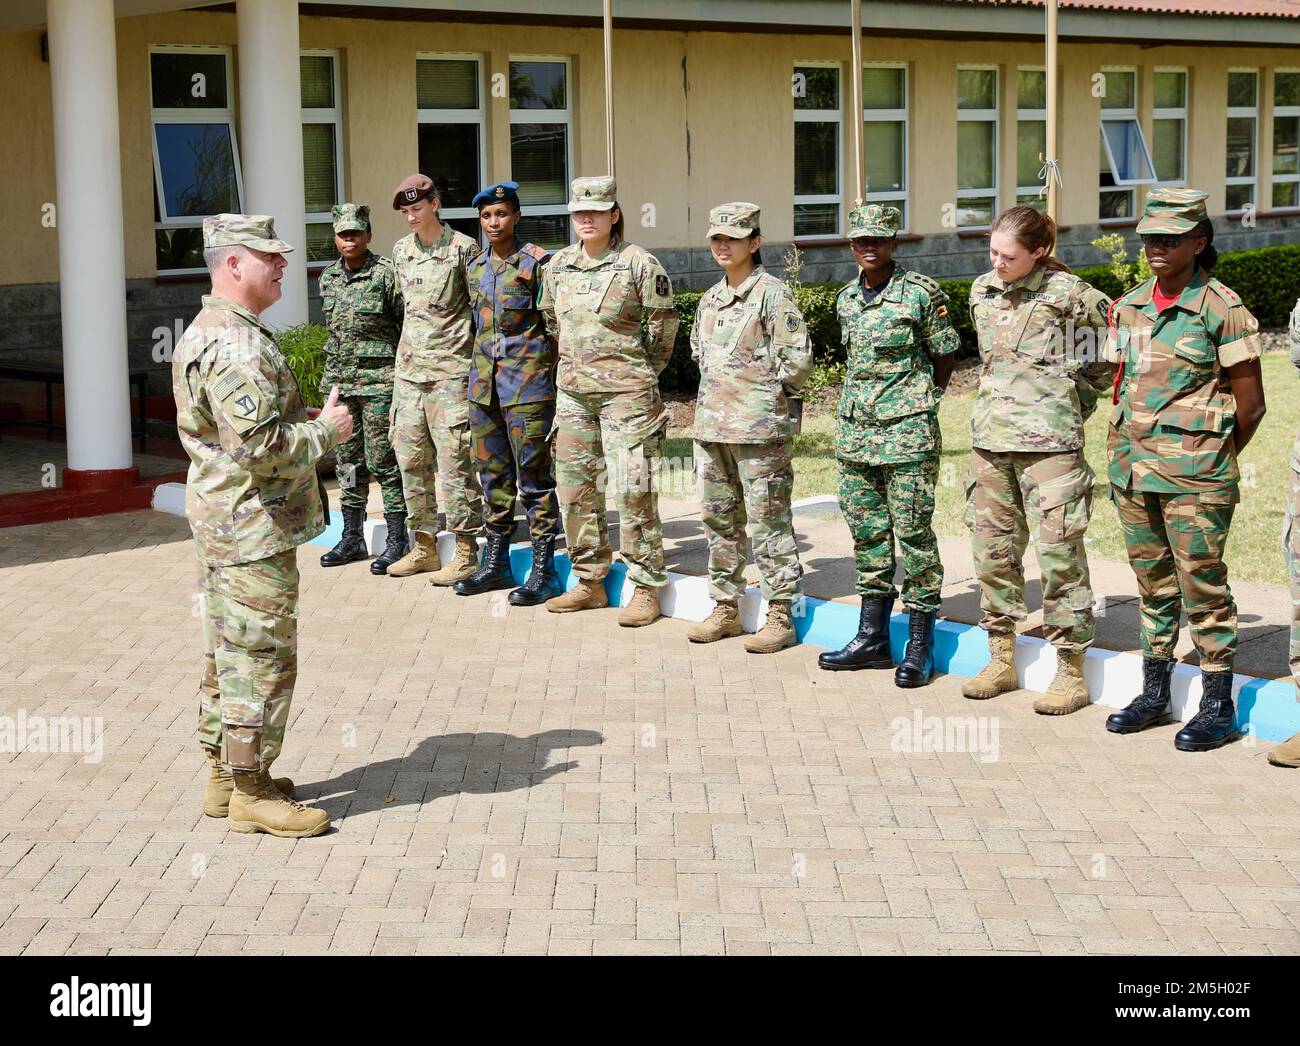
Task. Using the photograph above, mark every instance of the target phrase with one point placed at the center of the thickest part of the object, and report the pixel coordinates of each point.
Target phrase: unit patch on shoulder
(792, 321)
(662, 285)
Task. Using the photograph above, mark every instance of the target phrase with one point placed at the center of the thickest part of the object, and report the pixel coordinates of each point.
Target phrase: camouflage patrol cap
(351, 217)
(413, 189)
(736, 220)
(874, 219)
(1172, 211)
(593, 194)
(256, 231)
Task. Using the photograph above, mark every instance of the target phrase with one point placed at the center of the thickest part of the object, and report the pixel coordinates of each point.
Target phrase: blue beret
(498, 193)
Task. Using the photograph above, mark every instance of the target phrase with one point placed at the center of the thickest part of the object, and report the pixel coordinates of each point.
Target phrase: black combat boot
(493, 572)
(1212, 724)
(543, 582)
(870, 647)
(1152, 707)
(352, 545)
(395, 547)
(917, 666)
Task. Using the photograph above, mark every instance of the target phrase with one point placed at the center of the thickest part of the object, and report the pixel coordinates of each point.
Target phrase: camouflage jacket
(888, 406)
(1171, 429)
(753, 349)
(511, 348)
(252, 489)
(1295, 359)
(1041, 370)
(436, 332)
(363, 311)
(594, 308)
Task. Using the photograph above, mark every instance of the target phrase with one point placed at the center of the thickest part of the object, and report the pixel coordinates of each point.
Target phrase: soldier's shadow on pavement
(452, 764)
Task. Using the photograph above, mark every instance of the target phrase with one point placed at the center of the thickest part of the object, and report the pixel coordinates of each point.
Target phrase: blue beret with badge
(501, 192)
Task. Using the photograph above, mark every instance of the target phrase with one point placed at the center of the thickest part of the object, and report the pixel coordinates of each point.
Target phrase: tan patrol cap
(737, 220)
(256, 231)
(593, 194)
(413, 189)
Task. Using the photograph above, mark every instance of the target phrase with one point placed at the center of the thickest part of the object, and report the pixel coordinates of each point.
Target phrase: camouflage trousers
(884, 502)
(512, 451)
(749, 482)
(1175, 547)
(367, 453)
(430, 434)
(1002, 491)
(250, 661)
(630, 425)
(1291, 544)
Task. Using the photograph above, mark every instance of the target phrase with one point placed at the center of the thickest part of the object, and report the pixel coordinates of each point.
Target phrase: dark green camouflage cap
(874, 219)
(351, 217)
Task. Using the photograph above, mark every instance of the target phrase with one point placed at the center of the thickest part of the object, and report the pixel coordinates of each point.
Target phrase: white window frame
(900, 115)
(1123, 115)
(1172, 113)
(1027, 115)
(1286, 112)
(205, 115)
(1252, 113)
(330, 116)
(477, 117)
(564, 116)
(984, 116)
(835, 116)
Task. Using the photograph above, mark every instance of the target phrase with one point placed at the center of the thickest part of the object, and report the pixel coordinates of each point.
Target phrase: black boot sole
(1205, 746)
(912, 684)
(531, 600)
(357, 558)
(1123, 728)
(855, 668)
(462, 589)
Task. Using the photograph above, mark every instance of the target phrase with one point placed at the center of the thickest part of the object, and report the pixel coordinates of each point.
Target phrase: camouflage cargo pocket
(1065, 505)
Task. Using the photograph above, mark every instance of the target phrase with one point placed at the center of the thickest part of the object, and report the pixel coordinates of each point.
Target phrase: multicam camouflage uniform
(1039, 341)
(430, 423)
(1292, 536)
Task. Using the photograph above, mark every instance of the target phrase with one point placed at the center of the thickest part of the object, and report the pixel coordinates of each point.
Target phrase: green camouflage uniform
(608, 393)
(753, 350)
(1039, 340)
(363, 311)
(252, 497)
(430, 423)
(1291, 537)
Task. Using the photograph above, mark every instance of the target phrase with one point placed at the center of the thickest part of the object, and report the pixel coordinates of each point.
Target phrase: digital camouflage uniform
(363, 311)
(1040, 375)
(512, 390)
(430, 423)
(252, 496)
(608, 396)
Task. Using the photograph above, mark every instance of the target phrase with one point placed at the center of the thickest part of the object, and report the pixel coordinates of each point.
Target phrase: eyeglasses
(1169, 243)
(861, 243)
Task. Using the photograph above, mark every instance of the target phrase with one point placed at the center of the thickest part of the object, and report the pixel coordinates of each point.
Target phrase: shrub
(303, 348)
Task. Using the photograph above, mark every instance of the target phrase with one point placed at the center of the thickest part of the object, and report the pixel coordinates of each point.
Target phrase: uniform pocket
(1065, 505)
(1196, 346)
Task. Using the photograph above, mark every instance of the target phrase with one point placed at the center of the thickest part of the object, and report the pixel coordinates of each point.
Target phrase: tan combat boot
(1068, 692)
(1287, 753)
(462, 564)
(999, 675)
(257, 807)
(423, 556)
(585, 595)
(643, 608)
(777, 632)
(216, 793)
(723, 623)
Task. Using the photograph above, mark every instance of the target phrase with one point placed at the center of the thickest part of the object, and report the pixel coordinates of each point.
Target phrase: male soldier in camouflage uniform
(512, 401)
(251, 499)
(430, 430)
(900, 345)
(1288, 753)
(752, 347)
(363, 311)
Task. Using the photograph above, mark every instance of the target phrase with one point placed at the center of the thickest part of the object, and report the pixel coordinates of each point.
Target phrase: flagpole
(859, 182)
(609, 87)
(1051, 162)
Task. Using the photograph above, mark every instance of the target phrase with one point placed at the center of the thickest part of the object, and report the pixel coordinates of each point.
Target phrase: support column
(270, 121)
(92, 265)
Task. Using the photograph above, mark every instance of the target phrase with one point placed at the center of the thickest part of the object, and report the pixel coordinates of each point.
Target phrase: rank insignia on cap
(661, 285)
(791, 322)
(500, 192)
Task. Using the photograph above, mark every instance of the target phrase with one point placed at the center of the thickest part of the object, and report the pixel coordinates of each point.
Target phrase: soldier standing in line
(511, 401)
(363, 311)
(752, 347)
(900, 347)
(1188, 398)
(1288, 753)
(430, 424)
(1040, 331)
(252, 498)
(594, 295)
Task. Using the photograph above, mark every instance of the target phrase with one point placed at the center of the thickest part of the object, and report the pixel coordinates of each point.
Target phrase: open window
(1125, 157)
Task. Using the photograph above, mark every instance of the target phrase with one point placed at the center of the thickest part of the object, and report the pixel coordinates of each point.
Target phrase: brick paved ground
(515, 781)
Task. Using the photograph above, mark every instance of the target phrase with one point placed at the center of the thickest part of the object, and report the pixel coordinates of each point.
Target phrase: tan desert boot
(999, 675)
(1287, 753)
(462, 564)
(257, 807)
(585, 595)
(423, 556)
(723, 623)
(643, 608)
(1068, 692)
(777, 632)
(216, 793)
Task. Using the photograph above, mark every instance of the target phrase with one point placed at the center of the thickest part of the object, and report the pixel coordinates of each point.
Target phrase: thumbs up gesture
(338, 415)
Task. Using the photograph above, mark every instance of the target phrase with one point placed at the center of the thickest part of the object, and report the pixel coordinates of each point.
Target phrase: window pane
(198, 169)
(1115, 204)
(1031, 143)
(816, 219)
(545, 230)
(1167, 149)
(1240, 196)
(320, 174)
(883, 143)
(977, 89)
(816, 87)
(1286, 88)
(1038, 203)
(1241, 88)
(446, 84)
(977, 211)
(1286, 194)
(816, 158)
(1171, 90)
(883, 88)
(449, 155)
(1031, 89)
(470, 227)
(1241, 146)
(537, 85)
(975, 154)
(539, 162)
(317, 75)
(1286, 136)
(188, 80)
(1120, 89)
(178, 248)
(320, 242)
(1126, 150)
